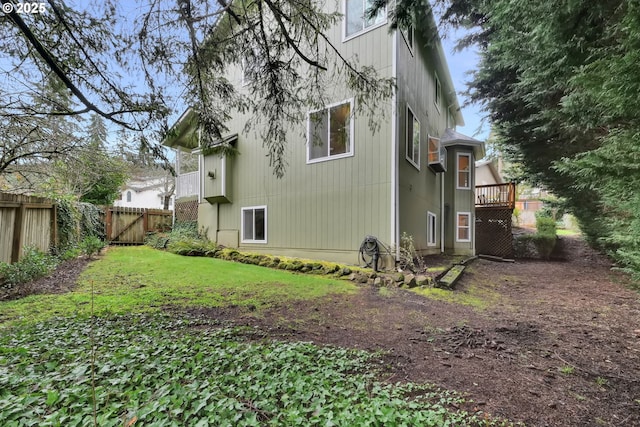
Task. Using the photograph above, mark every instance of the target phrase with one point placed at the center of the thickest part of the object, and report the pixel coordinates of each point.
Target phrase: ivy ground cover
(156, 371)
(131, 364)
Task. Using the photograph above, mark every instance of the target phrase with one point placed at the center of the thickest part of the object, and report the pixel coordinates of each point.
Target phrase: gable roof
(183, 132)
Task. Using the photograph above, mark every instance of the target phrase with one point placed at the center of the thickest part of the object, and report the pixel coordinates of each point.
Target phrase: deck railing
(187, 184)
(496, 196)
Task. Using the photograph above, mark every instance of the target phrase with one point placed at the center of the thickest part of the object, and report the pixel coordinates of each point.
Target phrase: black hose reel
(370, 252)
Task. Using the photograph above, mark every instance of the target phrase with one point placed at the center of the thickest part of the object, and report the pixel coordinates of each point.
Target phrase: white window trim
(246, 208)
(437, 84)
(352, 144)
(346, 38)
(458, 186)
(405, 36)
(429, 138)
(407, 137)
(245, 81)
(458, 215)
(432, 240)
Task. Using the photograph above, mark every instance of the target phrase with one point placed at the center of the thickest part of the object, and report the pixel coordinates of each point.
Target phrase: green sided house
(414, 175)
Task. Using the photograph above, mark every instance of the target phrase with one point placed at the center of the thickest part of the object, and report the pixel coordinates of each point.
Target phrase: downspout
(200, 166)
(472, 178)
(175, 186)
(442, 212)
(395, 226)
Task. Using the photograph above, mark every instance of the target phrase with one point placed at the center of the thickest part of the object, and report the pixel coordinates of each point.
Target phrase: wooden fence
(25, 221)
(129, 226)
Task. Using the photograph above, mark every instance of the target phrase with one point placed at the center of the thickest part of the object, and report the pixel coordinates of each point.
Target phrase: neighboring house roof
(451, 137)
(492, 165)
(142, 183)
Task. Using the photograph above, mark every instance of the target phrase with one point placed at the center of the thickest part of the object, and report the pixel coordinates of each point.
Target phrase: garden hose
(370, 248)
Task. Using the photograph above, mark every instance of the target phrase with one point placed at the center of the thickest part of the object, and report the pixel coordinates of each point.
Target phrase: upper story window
(451, 122)
(408, 37)
(464, 171)
(438, 92)
(413, 139)
(250, 66)
(129, 196)
(330, 133)
(355, 19)
(437, 155)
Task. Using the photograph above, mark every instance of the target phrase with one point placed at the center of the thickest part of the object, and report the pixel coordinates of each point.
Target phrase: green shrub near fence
(545, 238)
(76, 222)
(33, 265)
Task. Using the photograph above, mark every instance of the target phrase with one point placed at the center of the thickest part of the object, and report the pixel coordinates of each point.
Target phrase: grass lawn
(567, 232)
(132, 364)
(140, 279)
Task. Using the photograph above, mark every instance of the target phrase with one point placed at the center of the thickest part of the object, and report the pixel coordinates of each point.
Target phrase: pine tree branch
(53, 65)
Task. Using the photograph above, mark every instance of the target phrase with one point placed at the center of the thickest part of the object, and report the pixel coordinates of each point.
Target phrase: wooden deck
(496, 196)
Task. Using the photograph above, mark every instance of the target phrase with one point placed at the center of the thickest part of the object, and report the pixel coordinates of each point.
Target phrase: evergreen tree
(559, 81)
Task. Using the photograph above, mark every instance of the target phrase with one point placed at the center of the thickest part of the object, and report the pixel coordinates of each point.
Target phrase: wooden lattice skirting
(187, 211)
(493, 232)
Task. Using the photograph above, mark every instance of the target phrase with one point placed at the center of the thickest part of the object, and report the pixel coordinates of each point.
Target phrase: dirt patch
(559, 346)
(63, 279)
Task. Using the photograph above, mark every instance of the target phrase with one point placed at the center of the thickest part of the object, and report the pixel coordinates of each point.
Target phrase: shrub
(545, 243)
(33, 265)
(77, 221)
(186, 232)
(546, 226)
(91, 245)
(545, 238)
(192, 247)
(409, 257)
(523, 246)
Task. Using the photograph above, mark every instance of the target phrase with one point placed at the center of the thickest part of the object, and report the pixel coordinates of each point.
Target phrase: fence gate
(129, 226)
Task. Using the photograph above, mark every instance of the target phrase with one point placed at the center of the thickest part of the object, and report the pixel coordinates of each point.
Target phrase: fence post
(107, 222)
(54, 226)
(17, 232)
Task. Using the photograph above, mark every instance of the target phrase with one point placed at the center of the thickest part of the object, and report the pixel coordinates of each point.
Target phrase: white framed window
(254, 224)
(128, 196)
(463, 171)
(250, 65)
(355, 21)
(463, 227)
(413, 139)
(451, 122)
(432, 229)
(407, 34)
(437, 154)
(438, 91)
(330, 132)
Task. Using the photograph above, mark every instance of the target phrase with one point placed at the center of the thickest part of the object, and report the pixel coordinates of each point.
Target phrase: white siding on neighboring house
(144, 194)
